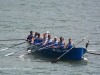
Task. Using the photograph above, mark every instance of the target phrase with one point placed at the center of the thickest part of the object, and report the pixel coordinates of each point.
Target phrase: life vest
(35, 41)
(56, 43)
(62, 45)
(30, 38)
(70, 45)
(49, 41)
(39, 40)
(45, 38)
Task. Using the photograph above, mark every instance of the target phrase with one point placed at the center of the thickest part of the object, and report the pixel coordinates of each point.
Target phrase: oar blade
(4, 49)
(29, 51)
(9, 54)
(20, 56)
(54, 61)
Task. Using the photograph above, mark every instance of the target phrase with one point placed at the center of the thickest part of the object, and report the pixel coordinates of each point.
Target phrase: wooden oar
(16, 51)
(12, 39)
(31, 51)
(12, 53)
(55, 60)
(20, 56)
(12, 46)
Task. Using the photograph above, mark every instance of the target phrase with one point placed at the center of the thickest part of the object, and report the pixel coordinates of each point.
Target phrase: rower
(39, 39)
(55, 42)
(48, 41)
(62, 45)
(47, 33)
(70, 44)
(29, 37)
(45, 37)
(34, 38)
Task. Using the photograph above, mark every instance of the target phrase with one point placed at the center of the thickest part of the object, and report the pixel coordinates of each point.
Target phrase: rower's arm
(27, 36)
(65, 44)
(45, 42)
(32, 40)
(74, 45)
(58, 44)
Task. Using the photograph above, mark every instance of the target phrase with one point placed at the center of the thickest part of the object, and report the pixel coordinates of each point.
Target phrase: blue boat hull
(73, 54)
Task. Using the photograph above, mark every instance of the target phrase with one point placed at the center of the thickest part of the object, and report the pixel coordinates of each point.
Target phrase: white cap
(47, 32)
(55, 37)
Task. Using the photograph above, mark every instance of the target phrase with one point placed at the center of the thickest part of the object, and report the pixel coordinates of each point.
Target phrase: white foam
(85, 58)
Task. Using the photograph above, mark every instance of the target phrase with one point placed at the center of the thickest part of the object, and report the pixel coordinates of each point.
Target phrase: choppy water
(68, 18)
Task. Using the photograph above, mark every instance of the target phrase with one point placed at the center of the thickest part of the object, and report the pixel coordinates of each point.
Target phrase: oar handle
(85, 37)
(82, 40)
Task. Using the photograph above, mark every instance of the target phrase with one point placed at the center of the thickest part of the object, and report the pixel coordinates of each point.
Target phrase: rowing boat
(73, 54)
